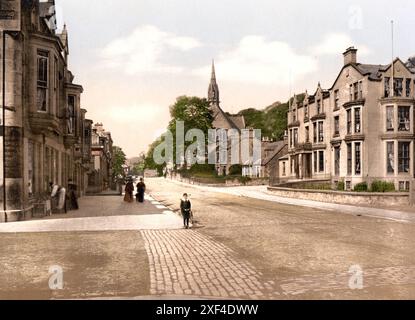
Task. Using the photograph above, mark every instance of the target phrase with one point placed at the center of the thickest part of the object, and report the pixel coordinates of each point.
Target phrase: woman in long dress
(129, 189)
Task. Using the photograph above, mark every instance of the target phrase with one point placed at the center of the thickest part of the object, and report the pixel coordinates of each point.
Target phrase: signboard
(10, 11)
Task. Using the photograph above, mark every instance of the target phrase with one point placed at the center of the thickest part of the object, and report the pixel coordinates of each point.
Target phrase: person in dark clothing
(129, 189)
(73, 200)
(141, 189)
(186, 208)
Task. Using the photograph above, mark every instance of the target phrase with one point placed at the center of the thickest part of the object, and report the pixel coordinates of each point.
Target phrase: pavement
(102, 214)
(241, 246)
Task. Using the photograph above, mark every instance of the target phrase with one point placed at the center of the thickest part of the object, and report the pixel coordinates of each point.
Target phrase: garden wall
(339, 197)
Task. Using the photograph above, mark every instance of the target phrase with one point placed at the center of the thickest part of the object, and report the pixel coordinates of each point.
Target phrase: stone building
(359, 130)
(100, 178)
(45, 135)
(222, 122)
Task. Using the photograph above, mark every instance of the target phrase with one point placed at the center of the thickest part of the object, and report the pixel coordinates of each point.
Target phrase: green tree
(138, 165)
(149, 162)
(194, 112)
(119, 159)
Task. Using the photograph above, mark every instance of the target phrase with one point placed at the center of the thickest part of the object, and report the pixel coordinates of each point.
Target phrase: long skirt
(128, 197)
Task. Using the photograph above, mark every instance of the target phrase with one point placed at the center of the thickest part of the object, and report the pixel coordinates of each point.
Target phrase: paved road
(238, 248)
(301, 252)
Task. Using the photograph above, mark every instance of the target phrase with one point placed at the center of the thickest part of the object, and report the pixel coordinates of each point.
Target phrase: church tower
(213, 94)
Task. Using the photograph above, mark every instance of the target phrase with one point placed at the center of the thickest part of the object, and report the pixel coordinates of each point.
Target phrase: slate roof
(372, 70)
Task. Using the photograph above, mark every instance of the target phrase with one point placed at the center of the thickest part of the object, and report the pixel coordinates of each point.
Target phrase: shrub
(361, 187)
(235, 170)
(382, 186)
(341, 186)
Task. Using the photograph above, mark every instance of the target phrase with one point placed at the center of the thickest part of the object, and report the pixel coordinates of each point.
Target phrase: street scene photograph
(189, 150)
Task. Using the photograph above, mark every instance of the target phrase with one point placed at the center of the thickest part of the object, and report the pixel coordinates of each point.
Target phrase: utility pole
(393, 59)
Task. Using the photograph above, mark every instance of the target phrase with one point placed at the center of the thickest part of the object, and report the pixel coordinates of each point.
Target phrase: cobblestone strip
(376, 277)
(185, 262)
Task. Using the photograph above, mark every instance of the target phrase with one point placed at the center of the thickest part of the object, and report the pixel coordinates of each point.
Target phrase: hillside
(272, 120)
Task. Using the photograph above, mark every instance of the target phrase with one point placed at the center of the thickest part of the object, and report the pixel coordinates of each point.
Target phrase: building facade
(359, 130)
(100, 177)
(46, 138)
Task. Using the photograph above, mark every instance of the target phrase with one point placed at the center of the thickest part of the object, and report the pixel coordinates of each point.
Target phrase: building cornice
(359, 102)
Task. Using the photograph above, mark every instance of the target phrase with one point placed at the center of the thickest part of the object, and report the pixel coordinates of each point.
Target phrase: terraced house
(359, 130)
(46, 137)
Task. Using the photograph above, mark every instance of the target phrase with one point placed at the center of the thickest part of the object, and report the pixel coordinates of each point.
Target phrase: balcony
(41, 123)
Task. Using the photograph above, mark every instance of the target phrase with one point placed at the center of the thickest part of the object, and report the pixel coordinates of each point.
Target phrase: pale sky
(134, 57)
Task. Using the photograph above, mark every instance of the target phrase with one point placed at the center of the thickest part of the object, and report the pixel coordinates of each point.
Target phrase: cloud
(336, 43)
(140, 52)
(258, 61)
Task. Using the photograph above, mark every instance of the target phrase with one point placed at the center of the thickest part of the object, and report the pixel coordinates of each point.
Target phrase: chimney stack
(350, 56)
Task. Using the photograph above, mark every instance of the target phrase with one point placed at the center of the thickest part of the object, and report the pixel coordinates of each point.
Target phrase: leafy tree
(139, 165)
(194, 112)
(149, 162)
(119, 159)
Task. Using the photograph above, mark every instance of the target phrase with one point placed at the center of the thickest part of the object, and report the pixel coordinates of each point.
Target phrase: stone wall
(339, 197)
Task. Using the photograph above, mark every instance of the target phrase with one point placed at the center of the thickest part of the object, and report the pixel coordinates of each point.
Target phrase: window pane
(398, 87)
(387, 87)
(337, 161)
(349, 121)
(41, 99)
(349, 159)
(390, 118)
(404, 157)
(390, 154)
(357, 120)
(321, 161)
(358, 158)
(404, 119)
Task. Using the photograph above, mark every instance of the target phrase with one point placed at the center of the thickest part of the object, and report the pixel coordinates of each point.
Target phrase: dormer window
(319, 107)
(408, 88)
(336, 99)
(387, 87)
(398, 87)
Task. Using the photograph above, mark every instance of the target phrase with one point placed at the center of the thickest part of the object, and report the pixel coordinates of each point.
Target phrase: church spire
(213, 94)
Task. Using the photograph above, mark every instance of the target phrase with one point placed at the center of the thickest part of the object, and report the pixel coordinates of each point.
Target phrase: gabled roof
(223, 121)
(277, 147)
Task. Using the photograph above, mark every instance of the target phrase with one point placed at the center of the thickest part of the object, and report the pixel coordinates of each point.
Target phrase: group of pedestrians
(185, 204)
(129, 190)
(63, 199)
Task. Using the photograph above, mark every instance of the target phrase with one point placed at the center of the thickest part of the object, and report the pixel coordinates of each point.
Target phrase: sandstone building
(46, 135)
(222, 122)
(359, 130)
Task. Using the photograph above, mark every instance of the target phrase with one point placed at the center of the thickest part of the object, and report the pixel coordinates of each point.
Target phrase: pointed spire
(213, 77)
(213, 94)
